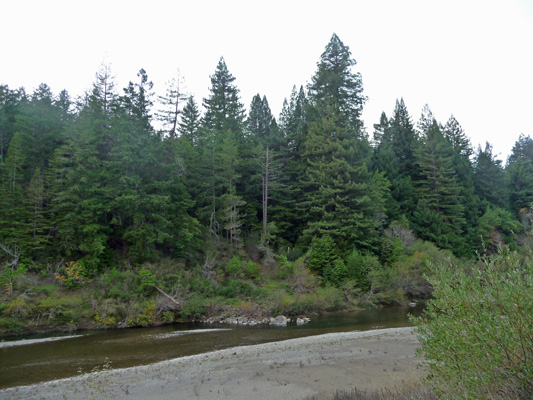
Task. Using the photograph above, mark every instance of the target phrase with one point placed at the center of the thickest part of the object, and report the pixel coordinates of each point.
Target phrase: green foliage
(194, 307)
(118, 284)
(477, 333)
(72, 274)
(489, 177)
(146, 281)
(10, 276)
(322, 255)
(293, 304)
(48, 290)
(168, 317)
(341, 196)
(17, 307)
(437, 184)
(391, 249)
(335, 274)
(252, 271)
(285, 267)
(519, 173)
(105, 322)
(358, 267)
(237, 288)
(98, 184)
(497, 228)
(405, 279)
(59, 311)
(11, 324)
(147, 315)
(235, 267)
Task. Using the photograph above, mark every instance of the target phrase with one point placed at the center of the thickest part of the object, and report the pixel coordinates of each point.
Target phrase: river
(46, 359)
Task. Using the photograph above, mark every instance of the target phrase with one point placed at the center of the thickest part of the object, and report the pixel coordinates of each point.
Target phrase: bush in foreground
(477, 333)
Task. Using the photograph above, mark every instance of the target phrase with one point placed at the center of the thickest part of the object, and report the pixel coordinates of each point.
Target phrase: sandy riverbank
(291, 369)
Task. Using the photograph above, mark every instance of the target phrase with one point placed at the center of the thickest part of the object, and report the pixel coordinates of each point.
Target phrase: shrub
(62, 310)
(237, 288)
(358, 266)
(323, 254)
(194, 307)
(9, 276)
(146, 281)
(72, 274)
(335, 274)
(11, 325)
(104, 321)
(323, 299)
(285, 267)
(235, 267)
(147, 315)
(252, 271)
(477, 333)
(18, 307)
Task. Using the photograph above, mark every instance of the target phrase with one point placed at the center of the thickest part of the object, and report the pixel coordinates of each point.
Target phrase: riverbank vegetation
(477, 333)
(122, 209)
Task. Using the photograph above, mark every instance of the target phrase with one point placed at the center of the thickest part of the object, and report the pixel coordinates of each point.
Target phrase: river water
(23, 364)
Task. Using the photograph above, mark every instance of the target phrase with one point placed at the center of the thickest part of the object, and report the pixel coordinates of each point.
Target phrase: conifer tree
(223, 118)
(462, 163)
(395, 144)
(9, 104)
(171, 104)
(13, 214)
(342, 198)
(38, 224)
(381, 134)
(224, 110)
(489, 178)
(190, 122)
(438, 189)
(288, 217)
(519, 171)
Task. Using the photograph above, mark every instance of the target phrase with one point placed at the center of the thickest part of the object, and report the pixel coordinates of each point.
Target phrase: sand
(291, 369)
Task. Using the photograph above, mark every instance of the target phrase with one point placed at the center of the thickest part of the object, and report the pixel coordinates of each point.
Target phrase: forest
(114, 202)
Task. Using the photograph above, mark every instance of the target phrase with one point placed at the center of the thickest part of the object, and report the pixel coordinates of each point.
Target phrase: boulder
(280, 320)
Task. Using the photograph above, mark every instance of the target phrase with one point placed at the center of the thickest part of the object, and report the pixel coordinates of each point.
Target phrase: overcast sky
(469, 58)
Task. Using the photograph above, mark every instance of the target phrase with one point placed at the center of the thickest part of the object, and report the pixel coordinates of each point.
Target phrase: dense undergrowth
(225, 283)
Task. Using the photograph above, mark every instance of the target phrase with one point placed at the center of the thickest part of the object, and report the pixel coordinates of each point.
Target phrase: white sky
(469, 58)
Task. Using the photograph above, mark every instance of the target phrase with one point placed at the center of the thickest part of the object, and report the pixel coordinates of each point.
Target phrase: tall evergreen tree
(9, 103)
(462, 163)
(224, 110)
(341, 196)
(381, 133)
(261, 126)
(190, 122)
(438, 189)
(519, 171)
(13, 214)
(288, 217)
(224, 118)
(171, 104)
(395, 146)
(489, 178)
(40, 124)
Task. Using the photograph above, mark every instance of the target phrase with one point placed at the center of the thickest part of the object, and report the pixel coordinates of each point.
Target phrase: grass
(413, 391)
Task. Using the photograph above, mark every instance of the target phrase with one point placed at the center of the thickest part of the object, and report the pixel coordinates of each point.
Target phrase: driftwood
(167, 295)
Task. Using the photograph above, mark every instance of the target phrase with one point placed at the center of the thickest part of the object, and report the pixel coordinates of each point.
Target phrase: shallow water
(47, 360)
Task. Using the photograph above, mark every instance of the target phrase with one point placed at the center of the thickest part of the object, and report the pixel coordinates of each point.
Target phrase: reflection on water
(31, 363)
